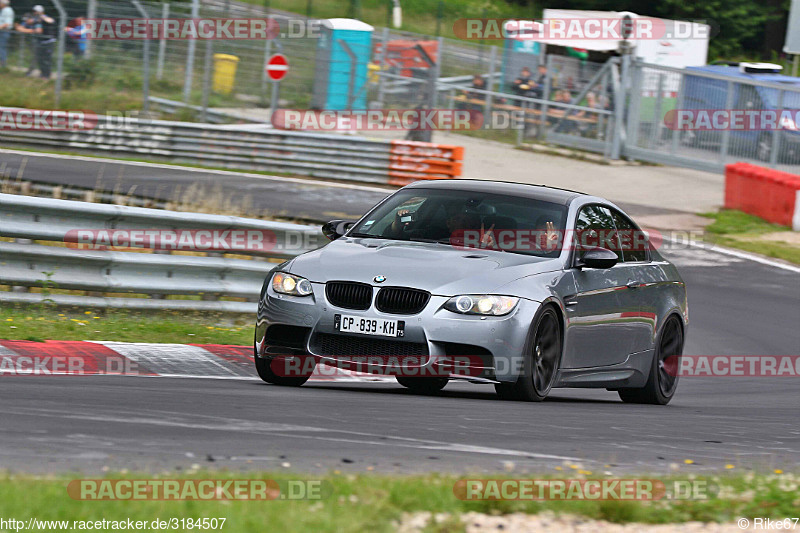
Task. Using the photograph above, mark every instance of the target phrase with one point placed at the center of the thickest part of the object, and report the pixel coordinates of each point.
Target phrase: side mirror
(336, 228)
(598, 258)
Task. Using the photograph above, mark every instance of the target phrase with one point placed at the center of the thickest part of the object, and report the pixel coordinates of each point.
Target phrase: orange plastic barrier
(411, 161)
(770, 194)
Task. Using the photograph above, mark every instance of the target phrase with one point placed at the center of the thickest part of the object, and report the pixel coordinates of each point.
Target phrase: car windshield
(468, 219)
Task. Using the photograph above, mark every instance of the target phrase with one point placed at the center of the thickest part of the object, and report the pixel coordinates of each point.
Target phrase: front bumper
(493, 346)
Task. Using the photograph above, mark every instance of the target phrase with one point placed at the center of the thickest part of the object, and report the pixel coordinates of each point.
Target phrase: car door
(642, 285)
(597, 335)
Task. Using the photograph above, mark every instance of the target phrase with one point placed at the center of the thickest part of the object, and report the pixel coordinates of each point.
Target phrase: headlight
(290, 284)
(485, 304)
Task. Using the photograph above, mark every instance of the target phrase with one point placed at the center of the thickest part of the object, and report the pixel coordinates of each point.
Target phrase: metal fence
(213, 281)
(657, 92)
(613, 108)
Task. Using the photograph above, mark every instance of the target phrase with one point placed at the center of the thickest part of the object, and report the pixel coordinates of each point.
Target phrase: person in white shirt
(6, 25)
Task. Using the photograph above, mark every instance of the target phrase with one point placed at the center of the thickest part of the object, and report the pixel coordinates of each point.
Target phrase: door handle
(633, 284)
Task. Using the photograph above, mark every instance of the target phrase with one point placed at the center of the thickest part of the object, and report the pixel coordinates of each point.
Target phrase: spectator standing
(44, 28)
(6, 25)
(77, 38)
(539, 83)
(26, 28)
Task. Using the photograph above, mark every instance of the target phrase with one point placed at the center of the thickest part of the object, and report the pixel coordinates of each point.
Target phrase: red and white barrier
(82, 358)
(767, 193)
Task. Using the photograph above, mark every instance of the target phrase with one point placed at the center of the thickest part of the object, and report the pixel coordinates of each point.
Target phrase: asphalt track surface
(294, 198)
(737, 307)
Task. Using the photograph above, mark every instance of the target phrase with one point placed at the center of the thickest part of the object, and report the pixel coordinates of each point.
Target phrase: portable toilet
(342, 44)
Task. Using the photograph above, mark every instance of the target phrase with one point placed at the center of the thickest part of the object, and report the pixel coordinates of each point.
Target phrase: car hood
(439, 269)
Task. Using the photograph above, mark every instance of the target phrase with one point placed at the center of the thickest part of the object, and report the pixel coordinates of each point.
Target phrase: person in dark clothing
(523, 84)
(538, 85)
(477, 83)
(44, 28)
(30, 40)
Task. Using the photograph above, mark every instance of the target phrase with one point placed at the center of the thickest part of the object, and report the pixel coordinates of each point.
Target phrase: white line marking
(309, 181)
(735, 253)
(230, 426)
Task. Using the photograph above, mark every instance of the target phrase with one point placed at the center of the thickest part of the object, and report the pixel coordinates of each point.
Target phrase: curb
(93, 358)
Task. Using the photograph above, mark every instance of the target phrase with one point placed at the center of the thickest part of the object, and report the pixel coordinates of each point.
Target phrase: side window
(748, 98)
(595, 228)
(633, 241)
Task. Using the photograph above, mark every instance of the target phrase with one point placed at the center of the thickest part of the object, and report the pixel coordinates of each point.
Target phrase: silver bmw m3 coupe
(520, 286)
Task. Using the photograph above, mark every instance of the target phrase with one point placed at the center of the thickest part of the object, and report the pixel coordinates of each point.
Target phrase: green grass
(40, 323)
(737, 229)
(365, 502)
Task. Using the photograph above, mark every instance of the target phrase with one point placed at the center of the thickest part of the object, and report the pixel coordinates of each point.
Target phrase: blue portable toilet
(337, 85)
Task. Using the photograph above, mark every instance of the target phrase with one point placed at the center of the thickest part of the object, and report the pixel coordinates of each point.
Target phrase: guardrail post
(162, 43)
(655, 137)
(187, 80)
(487, 109)
(62, 23)
(91, 13)
(206, 81)
(635, 102)
(146, 63)
(617, 141)
(382, 65)
(776, 136)
(726, 133)
(548, 77)
(678, 106)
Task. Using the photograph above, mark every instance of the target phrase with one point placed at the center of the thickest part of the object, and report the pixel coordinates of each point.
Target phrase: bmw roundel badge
(379, 279)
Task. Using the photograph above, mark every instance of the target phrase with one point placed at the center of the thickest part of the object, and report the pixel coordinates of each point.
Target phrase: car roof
(734, 72)
(535, 192)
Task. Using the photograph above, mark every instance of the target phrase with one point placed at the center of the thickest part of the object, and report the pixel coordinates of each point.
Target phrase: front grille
(349, 295)
(345, 345)
(401, 301)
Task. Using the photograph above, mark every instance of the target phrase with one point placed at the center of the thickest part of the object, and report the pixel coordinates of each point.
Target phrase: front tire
(266, 373)
(661, 384)
(541, 362)
(422, 385)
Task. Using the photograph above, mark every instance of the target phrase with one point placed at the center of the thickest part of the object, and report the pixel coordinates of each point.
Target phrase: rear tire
(422, 385)
(661, 384)
(266, 373)
(541, 362)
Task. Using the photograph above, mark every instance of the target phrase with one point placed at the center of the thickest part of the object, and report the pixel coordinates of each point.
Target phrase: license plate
(369, 326)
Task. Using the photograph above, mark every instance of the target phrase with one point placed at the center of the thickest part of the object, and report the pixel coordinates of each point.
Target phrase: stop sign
(277, 67)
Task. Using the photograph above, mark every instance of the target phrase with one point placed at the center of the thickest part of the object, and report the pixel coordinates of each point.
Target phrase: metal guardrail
(25, 264)
(310, 154)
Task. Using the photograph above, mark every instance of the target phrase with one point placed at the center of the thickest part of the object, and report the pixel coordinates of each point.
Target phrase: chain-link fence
(617, 108)
(688, 117)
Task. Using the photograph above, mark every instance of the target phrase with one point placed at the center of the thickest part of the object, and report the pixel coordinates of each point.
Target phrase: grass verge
(736, 229)
(367, 502)
(40, 323)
